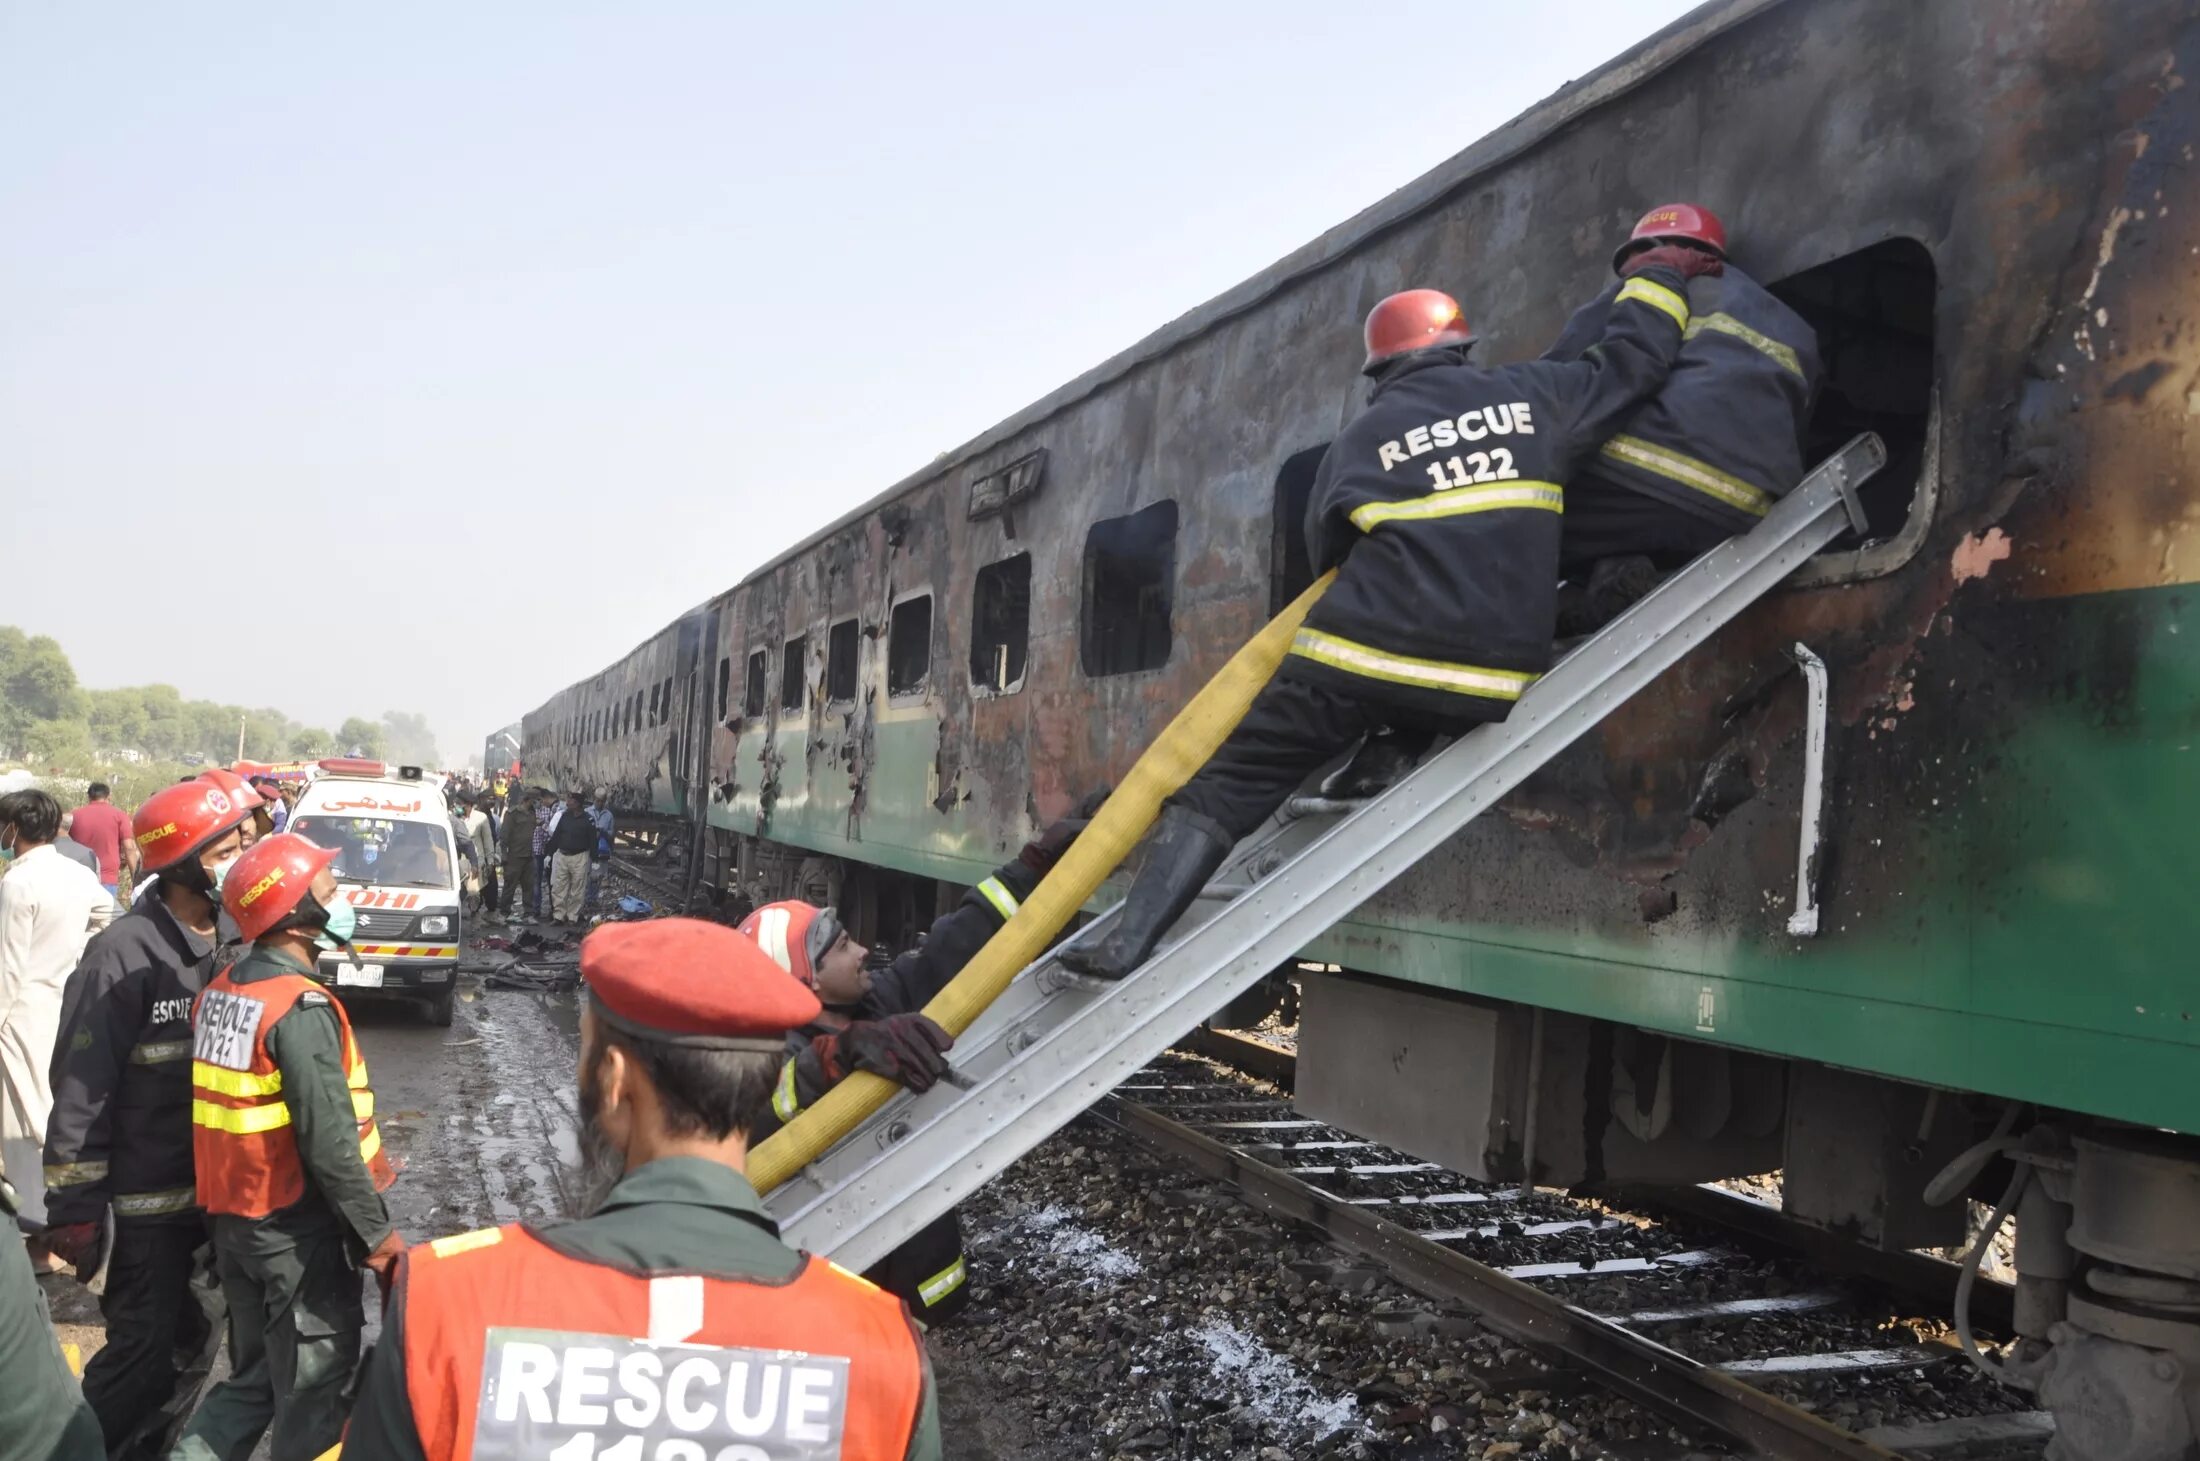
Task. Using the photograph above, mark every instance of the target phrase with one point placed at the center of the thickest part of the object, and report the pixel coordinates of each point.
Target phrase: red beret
(688, 982)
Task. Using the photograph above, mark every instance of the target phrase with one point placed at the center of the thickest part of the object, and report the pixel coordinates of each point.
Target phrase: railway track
(1721, 1316)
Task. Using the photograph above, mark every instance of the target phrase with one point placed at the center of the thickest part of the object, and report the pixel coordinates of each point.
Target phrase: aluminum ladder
(1055, 1042)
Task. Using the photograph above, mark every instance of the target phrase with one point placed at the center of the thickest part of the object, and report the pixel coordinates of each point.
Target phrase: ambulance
(398, 863)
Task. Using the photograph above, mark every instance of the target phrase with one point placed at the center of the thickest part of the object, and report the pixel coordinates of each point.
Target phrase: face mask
(217, 872)
(7, 853)
(343, 920)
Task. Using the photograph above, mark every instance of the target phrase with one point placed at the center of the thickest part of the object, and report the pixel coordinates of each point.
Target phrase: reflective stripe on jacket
(1440, 505)
(1723, 438)
(505, 1336)
(246, 1153)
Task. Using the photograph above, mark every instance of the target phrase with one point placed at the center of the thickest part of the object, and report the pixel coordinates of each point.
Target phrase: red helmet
(271, 880)
(238, 788)
(1670, 221)
(795, 934)
(177, 821)
(1416, 319)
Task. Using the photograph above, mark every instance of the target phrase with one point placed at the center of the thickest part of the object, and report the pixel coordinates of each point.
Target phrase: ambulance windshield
(377, 850)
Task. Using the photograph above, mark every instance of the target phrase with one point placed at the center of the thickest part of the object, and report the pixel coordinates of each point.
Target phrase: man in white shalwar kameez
(49, 907)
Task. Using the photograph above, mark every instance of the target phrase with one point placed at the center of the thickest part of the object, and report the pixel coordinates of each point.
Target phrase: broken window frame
(1091, 630)
(725, 685)
(794, 666)
(843, 671)
(982, 594)
(916, 689)
(1288, 528)
(1885, 555)
(756, 684)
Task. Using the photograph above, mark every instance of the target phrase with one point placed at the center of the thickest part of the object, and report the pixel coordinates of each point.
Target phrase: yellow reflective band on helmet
(370, 1143)
(242, 1084)
(160, 1052)
(996, 892)
(362, 1104)
(943, 1283)
(1457, 501)
(1657, 296)
(1688, 472)
(155, 1204)
(1399, 669)
(785, 1100)
(74, 1174)
(1726, 324)
(466, 1242)
(240, 1120)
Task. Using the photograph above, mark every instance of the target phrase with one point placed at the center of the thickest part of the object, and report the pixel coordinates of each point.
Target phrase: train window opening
(1000, 624)
(791, 672)
(666, 714)
(1130, 582)
(753, 685)
(840, 661)
(1291, 567)
(653, 705)
(909, 646)
(1873, 311)
(725, 682)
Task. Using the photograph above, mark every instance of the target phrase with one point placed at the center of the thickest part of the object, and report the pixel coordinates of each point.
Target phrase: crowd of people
(531, 855)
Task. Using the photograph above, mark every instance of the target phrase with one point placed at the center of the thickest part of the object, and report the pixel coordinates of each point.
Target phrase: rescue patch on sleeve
(312, 998)
(596, 1397)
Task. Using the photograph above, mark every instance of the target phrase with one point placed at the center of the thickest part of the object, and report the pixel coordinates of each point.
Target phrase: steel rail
(1271, 1063)
(1659, 1378)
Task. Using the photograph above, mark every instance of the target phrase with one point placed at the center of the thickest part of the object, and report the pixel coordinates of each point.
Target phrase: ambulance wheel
(442, 1006)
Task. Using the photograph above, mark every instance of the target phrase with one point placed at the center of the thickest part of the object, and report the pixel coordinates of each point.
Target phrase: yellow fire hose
(1168, 763)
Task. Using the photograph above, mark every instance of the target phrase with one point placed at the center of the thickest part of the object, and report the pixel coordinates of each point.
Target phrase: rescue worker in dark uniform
(672, 1310)
(1439, 507)
(290, 1165)
(43, 1415)
(1706, 456)
(874, 1021)
(118, 1145)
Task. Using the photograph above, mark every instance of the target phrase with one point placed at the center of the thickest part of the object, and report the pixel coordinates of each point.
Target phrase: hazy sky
(429, 357)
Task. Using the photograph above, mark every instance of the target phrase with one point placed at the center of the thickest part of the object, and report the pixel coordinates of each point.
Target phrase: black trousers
(928, 1273)
(1291, 730)
(1606, 520)
(164, 1312)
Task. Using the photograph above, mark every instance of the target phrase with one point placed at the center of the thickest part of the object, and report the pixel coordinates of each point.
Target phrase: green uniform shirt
(43, 1416)
(307, 1045)
(675, 1215)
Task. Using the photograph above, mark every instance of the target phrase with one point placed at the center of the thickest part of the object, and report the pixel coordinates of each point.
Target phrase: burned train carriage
(1989, 214)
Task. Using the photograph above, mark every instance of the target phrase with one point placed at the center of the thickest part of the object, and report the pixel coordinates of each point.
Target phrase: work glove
(76, 1244)
(1043, 851)
(907, 1048)
(1687, 262)
(382, 1262)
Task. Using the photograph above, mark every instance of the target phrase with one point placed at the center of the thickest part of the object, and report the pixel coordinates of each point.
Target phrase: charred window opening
(1130, 580)
(1292, 566)
(725, 683)
(656, 706)
(1000, 623)
(790, 672)
(1873, 311)
(753, 685)
(665, 699)
(840, 661)
(909, 646)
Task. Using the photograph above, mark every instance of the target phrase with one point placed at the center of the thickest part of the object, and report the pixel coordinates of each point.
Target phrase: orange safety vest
(513, 1349)
(246, 1153)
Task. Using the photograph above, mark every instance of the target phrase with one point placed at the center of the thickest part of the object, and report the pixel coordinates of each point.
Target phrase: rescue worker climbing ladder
(290, 1163)
(876, 1024)
(1439, 508)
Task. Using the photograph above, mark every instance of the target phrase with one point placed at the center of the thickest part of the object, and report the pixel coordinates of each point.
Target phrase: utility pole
(240, 737)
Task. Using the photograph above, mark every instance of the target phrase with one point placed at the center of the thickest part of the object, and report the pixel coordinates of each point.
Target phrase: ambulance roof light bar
(352, 766)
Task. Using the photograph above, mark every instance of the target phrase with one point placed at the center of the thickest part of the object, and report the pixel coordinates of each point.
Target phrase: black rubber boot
(1184, 852)
(1384, 757)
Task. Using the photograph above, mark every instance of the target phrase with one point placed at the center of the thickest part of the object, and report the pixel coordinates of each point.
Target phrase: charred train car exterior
(1990, 214)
